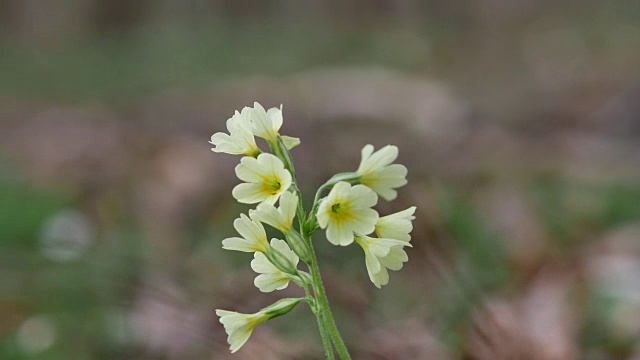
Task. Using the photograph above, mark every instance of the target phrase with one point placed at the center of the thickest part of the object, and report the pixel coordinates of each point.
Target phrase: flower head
(239, 326)
(382, 254)
(396, 226)
(280, 218)
(347, 209)
(240, 140)
(266, 179)
(377, 172)
(266, 124)
(254, 238)
(271, 278)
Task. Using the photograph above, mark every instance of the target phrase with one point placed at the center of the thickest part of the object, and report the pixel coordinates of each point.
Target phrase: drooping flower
(347, 209)
(382, 254)
(267, 124)
(280, 218)
(239, 326)
(240, 140)
(265, 179)
(254, 238)
(377, 172)
(396, 226)
(271, 278)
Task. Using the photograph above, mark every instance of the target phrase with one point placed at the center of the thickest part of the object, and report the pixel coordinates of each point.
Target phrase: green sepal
(280, 261)
(282, 151)
(350, 177)
(281, 307)
(303, 279)
(299, 245)
(290, 142)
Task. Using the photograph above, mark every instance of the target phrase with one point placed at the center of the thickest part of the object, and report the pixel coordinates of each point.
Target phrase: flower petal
(275, 116)
(240, 139)
(380, 278)
(261, 264)
(290, 142)
(248, 193)
(395, 259)
(362, 197)
(373, 161)
(271, 281)
(285, 250)
(338, 234)
(252, 231)
(396, 226)
(238, 244)
(372, 262)
(250, 169)
(377, 172)
(363, 221)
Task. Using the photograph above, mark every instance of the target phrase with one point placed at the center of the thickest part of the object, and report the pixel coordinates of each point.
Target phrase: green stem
(324, 334)
(326, 323)
(300, 208)
(316, 200)
(322, 326)
(323, 305)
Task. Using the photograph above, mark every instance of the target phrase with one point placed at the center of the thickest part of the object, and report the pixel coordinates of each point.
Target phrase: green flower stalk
(346, 213)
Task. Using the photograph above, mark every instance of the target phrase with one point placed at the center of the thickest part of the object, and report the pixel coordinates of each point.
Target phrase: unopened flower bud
(299, 246)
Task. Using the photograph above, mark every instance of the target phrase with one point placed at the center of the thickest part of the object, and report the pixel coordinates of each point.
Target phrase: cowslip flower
(240, 140)
(396, 226)
(239, 326)
(347, 209)
(265, 178)
(280, 218)
(377, 172)
(267, 124)
(271, 278)
(382, 254)
(254, 238)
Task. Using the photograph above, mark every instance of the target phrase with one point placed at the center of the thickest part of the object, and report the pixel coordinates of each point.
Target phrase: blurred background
(519, 121)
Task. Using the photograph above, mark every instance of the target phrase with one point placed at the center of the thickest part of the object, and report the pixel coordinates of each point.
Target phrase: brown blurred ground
(518, 120)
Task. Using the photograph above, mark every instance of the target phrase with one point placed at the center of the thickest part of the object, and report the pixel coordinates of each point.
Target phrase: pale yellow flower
(254, 238)
(267, 124)
(266, 179)
(382, 254)
(239, 326)
(240, 140)
(271, 278)
(396, 226)
(280, 218)
(347, 209)
(377, 172)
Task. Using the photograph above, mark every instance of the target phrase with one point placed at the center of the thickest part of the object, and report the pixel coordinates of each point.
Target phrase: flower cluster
(346, 213)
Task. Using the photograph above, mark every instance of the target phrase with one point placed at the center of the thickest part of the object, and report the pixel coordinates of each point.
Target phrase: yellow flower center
(271, 186)
(336, 208)
(254, 151)
(275, 186)
(340, 211)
